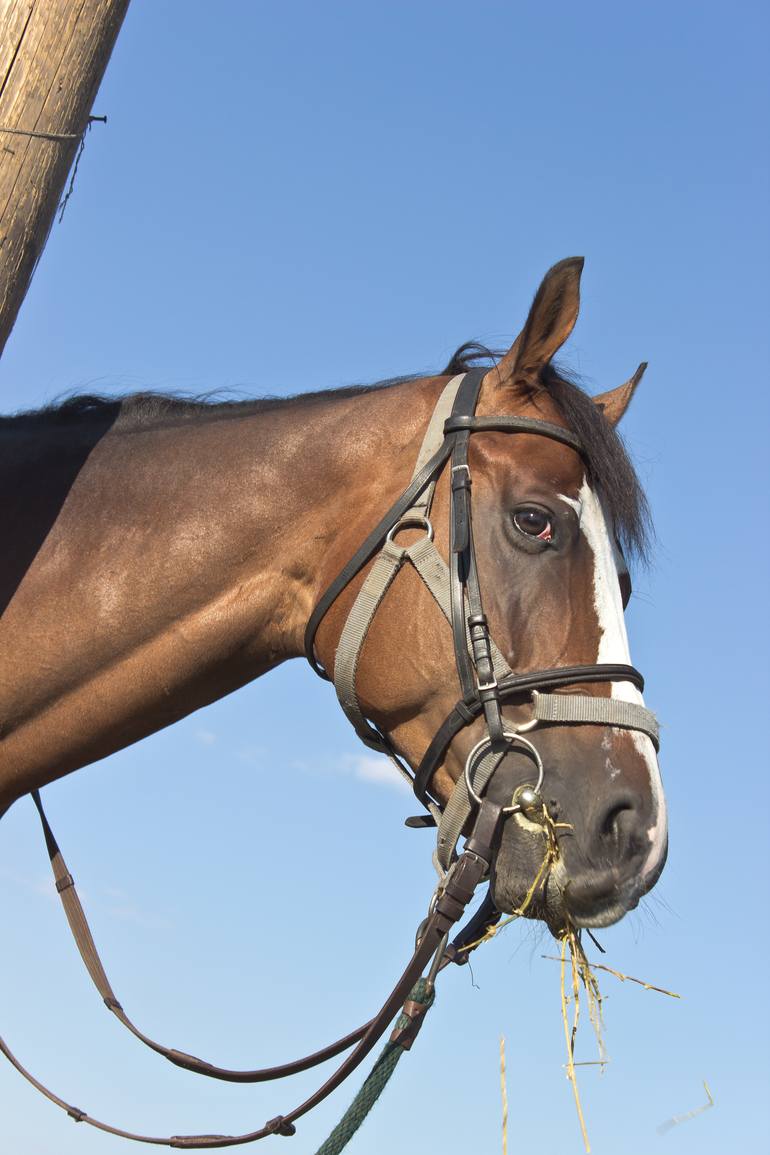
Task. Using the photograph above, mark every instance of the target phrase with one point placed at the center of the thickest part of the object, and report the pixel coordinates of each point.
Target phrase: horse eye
(534, 523)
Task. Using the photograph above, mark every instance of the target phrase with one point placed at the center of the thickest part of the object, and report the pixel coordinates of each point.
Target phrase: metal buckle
(481, 686)
(411, 521)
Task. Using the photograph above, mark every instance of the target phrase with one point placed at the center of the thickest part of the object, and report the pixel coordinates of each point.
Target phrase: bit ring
(514, 739)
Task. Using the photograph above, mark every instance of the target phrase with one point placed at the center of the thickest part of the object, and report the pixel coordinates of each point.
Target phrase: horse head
(549, 521)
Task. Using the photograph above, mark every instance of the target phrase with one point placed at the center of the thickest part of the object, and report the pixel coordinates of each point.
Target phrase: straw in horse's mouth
(548, 895)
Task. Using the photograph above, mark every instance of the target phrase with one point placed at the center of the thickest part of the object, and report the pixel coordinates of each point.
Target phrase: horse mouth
(576, 890)
(560, 912)
(558, 905)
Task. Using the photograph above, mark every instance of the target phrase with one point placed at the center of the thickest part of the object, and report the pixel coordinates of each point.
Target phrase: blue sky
(301, 196)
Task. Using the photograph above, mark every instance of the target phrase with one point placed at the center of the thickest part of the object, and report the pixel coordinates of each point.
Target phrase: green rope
(375, 1081)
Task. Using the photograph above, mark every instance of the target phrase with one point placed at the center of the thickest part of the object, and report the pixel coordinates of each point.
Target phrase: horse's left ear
(614, 403)
(551, 320)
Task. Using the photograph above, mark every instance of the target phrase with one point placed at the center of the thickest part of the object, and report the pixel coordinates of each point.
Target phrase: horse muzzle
(585, 865)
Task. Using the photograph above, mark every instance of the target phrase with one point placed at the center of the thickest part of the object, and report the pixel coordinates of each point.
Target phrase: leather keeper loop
(467, 716)
(461, 479)
(279, 1126)
(450, 907)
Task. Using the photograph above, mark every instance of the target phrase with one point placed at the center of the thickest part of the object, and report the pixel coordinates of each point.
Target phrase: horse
(162, 552)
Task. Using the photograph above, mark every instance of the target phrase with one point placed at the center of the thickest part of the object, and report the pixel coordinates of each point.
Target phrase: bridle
(486, 684)
(486, 681)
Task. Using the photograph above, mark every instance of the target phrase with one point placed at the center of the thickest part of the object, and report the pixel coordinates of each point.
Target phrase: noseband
(486, 681)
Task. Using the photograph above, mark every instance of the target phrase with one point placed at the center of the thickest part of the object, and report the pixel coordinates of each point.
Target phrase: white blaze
(613, 644)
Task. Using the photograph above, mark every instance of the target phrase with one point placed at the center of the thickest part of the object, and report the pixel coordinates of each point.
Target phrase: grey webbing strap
(434, 571)
(458, 809)
(386, 566)
(434, 435)
(602, 711)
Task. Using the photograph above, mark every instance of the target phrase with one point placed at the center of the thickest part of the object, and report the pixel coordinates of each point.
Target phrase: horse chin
(560, 913)
(551, 906)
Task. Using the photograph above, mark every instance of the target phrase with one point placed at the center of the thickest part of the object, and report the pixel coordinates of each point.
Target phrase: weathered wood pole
(53, 54)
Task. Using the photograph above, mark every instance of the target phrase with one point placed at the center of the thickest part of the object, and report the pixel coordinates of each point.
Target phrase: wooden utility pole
(53, 54)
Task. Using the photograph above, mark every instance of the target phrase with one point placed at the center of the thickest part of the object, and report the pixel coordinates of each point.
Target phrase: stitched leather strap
(81, 932)
(467, 422)
(457, 891)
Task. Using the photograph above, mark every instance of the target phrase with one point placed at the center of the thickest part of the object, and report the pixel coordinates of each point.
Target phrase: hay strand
(675, 1120)
(569, 1036)
(619, 975)
(504, 1094)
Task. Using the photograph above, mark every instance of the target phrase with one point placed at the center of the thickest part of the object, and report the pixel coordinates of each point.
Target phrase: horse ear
(614, 403)
(551, 320)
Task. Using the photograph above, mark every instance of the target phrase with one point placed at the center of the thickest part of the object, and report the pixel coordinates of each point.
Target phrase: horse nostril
(618, 823)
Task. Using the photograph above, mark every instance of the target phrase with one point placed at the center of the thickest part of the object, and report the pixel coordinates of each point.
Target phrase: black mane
(610, 465)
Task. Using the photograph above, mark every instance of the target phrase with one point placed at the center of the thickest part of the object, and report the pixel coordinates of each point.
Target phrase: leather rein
(486, 683)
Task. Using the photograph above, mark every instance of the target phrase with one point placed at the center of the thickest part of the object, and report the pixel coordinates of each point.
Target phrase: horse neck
(261, 508)
(335, 464)
(163, 565)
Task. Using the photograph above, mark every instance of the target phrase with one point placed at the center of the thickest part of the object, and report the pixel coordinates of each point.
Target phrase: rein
(486, 683)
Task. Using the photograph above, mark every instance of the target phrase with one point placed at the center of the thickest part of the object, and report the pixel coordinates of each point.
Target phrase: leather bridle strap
(81, 932)
(486, 680)
(467, 423)
(450, 902)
